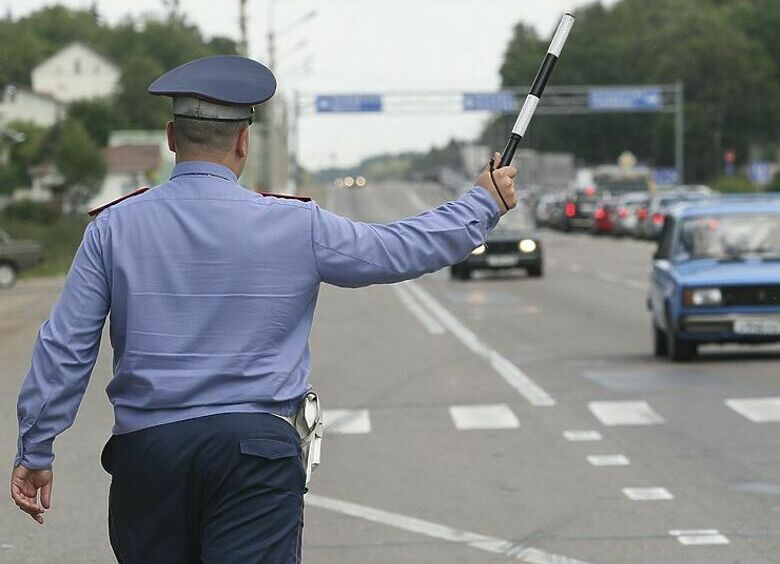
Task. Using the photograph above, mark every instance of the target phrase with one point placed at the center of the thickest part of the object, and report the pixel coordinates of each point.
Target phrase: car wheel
(7, 275)
(536, 271)
(660, 347)
(677, 349)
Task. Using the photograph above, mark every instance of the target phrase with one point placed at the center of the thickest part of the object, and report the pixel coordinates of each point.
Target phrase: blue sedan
(716, 276)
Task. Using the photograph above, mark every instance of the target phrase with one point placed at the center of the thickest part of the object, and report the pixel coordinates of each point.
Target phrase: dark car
(513, 244)
(579, 209)
(16, 255)
(716, 276)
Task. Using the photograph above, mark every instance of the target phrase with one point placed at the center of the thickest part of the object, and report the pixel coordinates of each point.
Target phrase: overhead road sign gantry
(498, 102)
(348, 103)
(633, 99)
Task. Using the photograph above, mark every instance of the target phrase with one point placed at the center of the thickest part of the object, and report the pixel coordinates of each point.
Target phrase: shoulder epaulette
(93, 212)
(287, 196)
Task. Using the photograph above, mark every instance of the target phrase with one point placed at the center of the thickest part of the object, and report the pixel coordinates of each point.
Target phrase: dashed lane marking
(468, 417)
(757, 410)
(612, 413)
(608, 460)
(699, 537)
(578, 436)
(493, 545)
(413, 306)
(515, 377)
(346, 421)
(647, 494)
(416, 201)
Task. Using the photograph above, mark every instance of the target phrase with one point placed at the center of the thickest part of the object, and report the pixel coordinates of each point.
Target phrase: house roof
(133, 158)
(70, 45)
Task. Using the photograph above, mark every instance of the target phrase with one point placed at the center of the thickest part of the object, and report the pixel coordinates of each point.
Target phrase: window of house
(77, 66)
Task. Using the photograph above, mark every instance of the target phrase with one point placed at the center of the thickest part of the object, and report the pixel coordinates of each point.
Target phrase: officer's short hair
(206, 135)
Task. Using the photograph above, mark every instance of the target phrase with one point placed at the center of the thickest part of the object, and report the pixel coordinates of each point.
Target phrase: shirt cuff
(486, 201)
(38, 456)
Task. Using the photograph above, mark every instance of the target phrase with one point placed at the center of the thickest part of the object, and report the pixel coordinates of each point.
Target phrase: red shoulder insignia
(97, 210)
(287, 196)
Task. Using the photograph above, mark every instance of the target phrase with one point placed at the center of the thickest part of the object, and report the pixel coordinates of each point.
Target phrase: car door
(662, 281)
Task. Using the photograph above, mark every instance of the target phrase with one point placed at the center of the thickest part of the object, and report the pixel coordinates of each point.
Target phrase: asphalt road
(456, 418)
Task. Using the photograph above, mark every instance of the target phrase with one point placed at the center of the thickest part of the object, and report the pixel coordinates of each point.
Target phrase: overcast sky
(367, 46)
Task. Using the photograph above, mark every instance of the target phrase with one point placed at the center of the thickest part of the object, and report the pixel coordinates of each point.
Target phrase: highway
(497, 420)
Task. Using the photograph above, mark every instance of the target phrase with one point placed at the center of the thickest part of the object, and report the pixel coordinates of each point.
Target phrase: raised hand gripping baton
(537, 88)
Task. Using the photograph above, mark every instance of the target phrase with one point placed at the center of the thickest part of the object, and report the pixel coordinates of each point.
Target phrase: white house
(18, 103)
(75, 72)
(128, 167)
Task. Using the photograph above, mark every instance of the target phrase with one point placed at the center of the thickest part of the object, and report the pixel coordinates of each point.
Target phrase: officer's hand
(25, 486)
(505, 179)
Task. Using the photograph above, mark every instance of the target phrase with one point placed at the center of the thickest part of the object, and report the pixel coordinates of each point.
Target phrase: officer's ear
(242, 143)
(171, 134)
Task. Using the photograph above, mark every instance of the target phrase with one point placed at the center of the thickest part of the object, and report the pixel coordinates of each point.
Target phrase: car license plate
(756, 327)
(587, 208)
(502, 260)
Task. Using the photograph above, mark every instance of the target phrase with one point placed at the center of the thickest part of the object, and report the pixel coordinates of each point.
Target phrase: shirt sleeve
(353, 254)
(63, 357)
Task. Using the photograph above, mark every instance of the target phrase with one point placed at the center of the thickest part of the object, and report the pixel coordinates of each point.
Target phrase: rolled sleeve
(63, 357)
(352, 254)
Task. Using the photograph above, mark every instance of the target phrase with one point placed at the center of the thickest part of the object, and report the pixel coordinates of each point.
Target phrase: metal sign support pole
(679, 132)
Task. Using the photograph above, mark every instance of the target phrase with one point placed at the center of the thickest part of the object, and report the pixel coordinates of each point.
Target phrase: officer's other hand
(505, 180)
(26, 485)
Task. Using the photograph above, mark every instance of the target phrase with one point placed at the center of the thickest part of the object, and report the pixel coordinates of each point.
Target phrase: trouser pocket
(280, 460)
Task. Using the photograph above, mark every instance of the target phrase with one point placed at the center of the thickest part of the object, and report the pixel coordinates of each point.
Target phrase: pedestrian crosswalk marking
(346, 421)
(497, 416)
(757, 410)
(608, 460)
(647, 494)
(612, 413)
(699, 537)
(578, 436)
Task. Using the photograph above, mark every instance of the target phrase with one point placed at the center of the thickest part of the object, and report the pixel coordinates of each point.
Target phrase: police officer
(211, 290)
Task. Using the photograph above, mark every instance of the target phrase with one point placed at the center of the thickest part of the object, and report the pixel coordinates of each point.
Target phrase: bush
(33, 212)
(732, 184)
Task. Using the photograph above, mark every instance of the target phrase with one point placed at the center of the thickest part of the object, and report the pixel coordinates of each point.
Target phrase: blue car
(716, 276)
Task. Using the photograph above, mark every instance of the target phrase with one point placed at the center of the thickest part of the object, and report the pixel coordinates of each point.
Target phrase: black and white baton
(537, 88)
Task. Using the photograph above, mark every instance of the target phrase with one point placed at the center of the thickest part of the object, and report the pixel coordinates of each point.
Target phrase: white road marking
(441, 532)
(577, 436)
(635, 284)
(498, 416)
(757, 410)
(417, 201)
(613, 413)
(575, 267)
(346, 421)
(647, 494)
(515, 377)
(699, 537)
(426, 319)
(607, 277)
(608, 460)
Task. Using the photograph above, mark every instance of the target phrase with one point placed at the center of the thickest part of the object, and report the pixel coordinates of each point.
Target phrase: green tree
(99, 116)
(80, 162)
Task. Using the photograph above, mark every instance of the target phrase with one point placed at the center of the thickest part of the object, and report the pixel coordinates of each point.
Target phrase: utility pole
(243, 41)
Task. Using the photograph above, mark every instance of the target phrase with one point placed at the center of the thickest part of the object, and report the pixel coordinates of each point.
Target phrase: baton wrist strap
(492, 168)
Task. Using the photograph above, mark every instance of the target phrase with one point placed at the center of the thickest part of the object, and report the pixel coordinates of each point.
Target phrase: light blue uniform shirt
(211, 290)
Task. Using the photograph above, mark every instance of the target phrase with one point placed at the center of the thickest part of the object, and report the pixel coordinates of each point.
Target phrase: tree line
(725, 53)
(142, 48)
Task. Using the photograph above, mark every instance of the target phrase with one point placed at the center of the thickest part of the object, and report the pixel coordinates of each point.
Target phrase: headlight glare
(527, 245)
(479, 250)
(705, 297)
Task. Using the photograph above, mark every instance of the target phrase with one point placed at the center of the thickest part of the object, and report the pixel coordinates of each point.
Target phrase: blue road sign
(489, 102)
(665, 176)
(626, 99)
(349, 103)
(760, 172)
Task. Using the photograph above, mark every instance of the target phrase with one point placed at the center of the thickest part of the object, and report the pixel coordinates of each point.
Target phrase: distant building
(76, 72)
(128, 167)
(8, 138)
(46, 180)
(19, 103)
(147, 137)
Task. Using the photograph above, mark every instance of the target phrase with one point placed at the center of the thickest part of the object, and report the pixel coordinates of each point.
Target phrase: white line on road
(499, 416)
(608, 460)
(613, 413)
(607, 277)
(442, 532)
(416, 201)
(515, 377)
(635, 284)
(757, 410)
(346, 421)
(700, 537)
(647, 494)
(426, 319)
(578, 436)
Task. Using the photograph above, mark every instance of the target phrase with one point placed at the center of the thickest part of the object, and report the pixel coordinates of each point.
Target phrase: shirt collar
(203, 168)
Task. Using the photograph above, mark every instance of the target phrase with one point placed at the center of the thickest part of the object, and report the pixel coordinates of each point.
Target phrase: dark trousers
(220, 489)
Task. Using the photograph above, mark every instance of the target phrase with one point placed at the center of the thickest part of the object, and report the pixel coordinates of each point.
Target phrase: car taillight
(641, 214)
(571, 210)
(623, 212)
(658, 218)
(600, 213)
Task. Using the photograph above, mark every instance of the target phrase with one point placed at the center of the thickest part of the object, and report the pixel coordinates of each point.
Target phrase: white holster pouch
(308, 423)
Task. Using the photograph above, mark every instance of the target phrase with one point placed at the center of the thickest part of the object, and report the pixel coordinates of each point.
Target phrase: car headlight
(479, 250)
(527, 245)
(703, 297)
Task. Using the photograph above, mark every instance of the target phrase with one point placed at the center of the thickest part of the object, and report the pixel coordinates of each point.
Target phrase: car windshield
(519, 219)
(732, 237)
